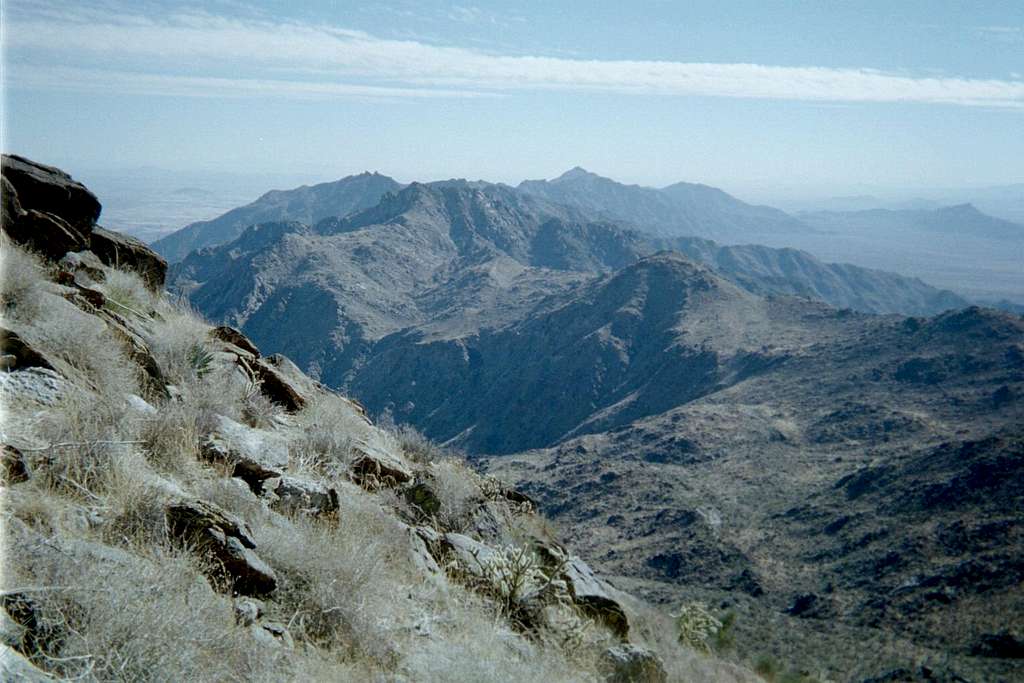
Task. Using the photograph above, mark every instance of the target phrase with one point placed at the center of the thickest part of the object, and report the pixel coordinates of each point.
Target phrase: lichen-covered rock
(633, 664)
(596, 596)
(230, 335)
(41, 386)
(47, 234)
(300, 495)
(83, 263)
(261, 454)
(18, 354)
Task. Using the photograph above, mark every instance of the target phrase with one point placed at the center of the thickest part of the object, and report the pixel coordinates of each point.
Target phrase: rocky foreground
(177, 506)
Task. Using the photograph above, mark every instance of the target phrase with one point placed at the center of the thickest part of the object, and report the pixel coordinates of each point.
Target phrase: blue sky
(749, 96)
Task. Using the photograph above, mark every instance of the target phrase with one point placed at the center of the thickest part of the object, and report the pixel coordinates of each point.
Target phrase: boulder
(226, 542)
(248, 611)
(300, 495)
(274, 386)
(471, 554)
(633, 664)
(83, 263)
(260, 453)
(374, 467)
(596, 596)
(49, 189)
(42, 386)
(127, 253)
(273, 633)
(13, 468)
(11, 210)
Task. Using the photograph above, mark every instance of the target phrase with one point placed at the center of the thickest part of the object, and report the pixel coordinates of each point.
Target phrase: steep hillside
(683, 209)
(177, 506)
(656, 334)
(307, 204)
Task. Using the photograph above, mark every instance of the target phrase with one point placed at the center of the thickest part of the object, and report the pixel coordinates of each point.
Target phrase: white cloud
(199, 48)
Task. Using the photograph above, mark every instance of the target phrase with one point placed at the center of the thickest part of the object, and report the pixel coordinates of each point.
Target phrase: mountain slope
(862, 494)
(307, 204)
(764, 270)
(683, 209)
(327, 292)
(658, 333)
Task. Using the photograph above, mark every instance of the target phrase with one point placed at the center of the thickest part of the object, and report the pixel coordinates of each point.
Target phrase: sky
(756, 96)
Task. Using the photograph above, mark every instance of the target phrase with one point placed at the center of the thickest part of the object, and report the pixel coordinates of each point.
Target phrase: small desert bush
(416, 446)
(458, 491)
(126, 292)
(172, 437)
(22, 282)
(179, 341)
(83, 436)
(114, 616)
(258, 411)
(697, 626)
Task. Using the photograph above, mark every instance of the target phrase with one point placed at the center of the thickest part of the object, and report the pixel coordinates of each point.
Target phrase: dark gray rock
(127, 253)
(45, 188)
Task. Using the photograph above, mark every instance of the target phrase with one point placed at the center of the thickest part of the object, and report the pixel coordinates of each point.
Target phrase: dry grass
(109, 615)
(85, 344)
(327, 429)
(339, 585)
(126, 292)
(22, 282)
(458, 490)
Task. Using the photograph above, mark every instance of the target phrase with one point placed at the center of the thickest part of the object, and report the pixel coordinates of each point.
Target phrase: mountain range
(703, 433)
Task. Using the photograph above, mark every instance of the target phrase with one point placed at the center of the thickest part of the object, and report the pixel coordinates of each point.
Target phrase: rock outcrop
(226, 541)
(49, 212)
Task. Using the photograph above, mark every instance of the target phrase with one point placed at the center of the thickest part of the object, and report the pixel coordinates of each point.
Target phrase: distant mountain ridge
(308, 204)
(682, 209)
(961, 220)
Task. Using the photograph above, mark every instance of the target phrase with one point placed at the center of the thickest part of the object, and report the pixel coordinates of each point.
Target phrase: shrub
(328, 427)
(696, 624)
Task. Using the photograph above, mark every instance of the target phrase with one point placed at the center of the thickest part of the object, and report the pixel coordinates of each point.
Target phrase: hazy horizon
(763, 100)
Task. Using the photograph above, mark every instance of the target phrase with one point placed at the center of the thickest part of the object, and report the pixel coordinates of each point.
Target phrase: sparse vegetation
(111, 595)
(22, 280)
